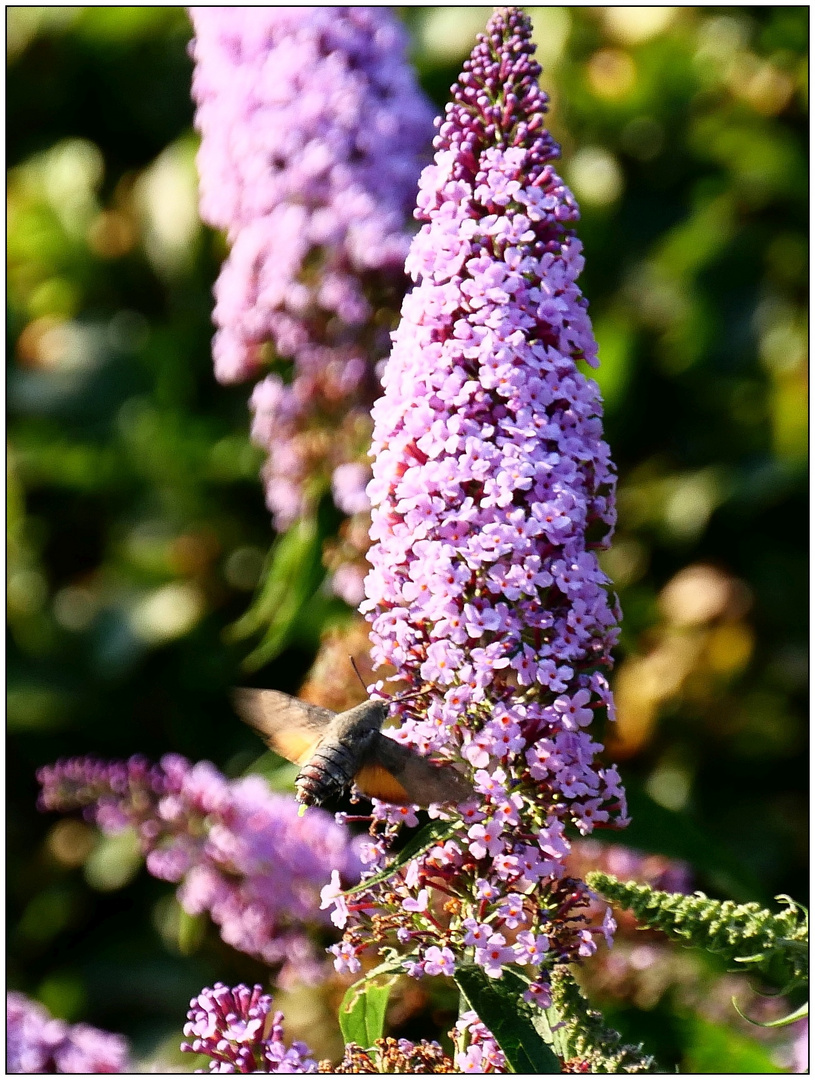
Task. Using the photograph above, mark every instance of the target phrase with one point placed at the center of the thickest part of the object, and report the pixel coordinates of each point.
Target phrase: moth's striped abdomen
(330, 771)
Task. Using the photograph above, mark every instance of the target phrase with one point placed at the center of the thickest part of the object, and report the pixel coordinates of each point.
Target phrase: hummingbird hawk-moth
(335, 750)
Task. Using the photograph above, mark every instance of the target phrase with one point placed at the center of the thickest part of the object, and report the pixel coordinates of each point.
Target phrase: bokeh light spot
(596, 176)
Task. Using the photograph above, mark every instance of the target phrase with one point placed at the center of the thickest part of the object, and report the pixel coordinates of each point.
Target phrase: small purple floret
(482, 1055)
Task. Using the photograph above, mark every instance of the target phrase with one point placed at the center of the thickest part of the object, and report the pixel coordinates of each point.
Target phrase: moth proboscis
(335, 750)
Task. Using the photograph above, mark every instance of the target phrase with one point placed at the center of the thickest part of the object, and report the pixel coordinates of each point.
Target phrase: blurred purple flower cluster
(37, 1043)
(798, 1051)
(312, 132)
(239, 1033)
(627, 864)
(240, 852)
(492, 492)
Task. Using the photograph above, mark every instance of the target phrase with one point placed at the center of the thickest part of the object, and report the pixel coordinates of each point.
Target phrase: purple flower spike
(312, 131)
(239, 1032)
(492, 492)
(37, 1043)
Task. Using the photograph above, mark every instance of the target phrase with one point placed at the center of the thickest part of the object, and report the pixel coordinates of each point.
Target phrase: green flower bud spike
(593, 1046)
(771, 944)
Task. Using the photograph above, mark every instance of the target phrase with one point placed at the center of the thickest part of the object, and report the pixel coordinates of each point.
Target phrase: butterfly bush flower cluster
(492, 493)
(241, 853)
(239, 1033)
(482, 1053)
(36, 1042)
(797, 1053)
(313, 130)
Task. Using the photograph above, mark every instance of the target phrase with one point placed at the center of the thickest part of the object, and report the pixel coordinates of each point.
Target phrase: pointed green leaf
(798, 1014)
(362, 1012)
(557, 1032)
(293, 573)
(521, 1030)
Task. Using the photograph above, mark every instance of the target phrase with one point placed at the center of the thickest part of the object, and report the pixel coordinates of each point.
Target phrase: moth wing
(376, 782)
(398, 774)
(291, 727)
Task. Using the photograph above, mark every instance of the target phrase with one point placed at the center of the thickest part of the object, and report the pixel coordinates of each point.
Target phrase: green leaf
(294, 571)
(362, 1012)
(428, 837)
(784, 898)
(798, 1014)
(557, 1032)
(522, 1031)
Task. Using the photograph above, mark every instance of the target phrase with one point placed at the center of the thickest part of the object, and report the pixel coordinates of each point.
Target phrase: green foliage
(658, 829)
(290, 579)
(773, 944)
(707, 1045)
(362, 1012)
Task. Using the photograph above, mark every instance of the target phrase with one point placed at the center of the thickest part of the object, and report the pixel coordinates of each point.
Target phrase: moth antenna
(356, 669)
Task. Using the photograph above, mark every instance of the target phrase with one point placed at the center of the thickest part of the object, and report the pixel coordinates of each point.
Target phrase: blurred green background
(136, 523)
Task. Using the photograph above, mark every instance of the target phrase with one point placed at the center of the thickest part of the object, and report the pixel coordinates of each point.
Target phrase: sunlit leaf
(362, 1012)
